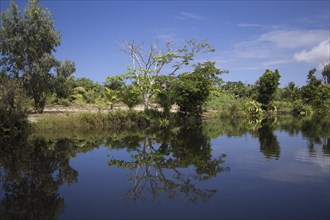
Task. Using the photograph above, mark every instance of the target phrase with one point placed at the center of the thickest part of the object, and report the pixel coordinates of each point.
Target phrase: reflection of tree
(130, 140)
(269, 145)
(317, 131)
(32, 169)
(326, 146)
(164, 168)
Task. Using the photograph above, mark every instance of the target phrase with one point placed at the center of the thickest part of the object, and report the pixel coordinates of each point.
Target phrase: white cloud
(279, 44)
(317, 55)
(188, 15)
(293, 39)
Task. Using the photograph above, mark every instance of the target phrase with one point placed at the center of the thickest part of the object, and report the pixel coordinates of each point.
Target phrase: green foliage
(85, 83)
(115, 83)
(131, 96)
(268, 84)
(27, 42)
(300, 108)
(77, 95)
(315, 93)
(193, 89)
(64, 79)
(238, 89)
(165, 95)
(86, 91)
(13, 105)
(148, 65)
(290, 92)
(253, 108)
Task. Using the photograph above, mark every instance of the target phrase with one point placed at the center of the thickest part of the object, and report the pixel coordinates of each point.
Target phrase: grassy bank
(85, 121)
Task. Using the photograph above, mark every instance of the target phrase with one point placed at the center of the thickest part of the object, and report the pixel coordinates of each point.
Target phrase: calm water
(276, 169)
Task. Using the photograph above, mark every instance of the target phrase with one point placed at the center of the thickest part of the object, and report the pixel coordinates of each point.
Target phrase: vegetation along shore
(31, 79)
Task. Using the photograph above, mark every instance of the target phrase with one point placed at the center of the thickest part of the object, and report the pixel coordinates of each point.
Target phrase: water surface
(276, 169)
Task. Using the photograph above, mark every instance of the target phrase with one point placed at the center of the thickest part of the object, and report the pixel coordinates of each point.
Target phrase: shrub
(300, 108)
(13, 105)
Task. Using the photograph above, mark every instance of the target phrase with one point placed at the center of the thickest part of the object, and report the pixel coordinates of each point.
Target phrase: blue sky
(249, 36)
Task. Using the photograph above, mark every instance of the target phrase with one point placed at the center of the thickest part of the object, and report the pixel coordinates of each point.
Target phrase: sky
(249, 36)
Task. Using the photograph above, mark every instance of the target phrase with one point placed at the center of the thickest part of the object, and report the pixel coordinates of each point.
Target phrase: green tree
(27, 42)
(192, 89)
(268, 84)
(115, 83)
(131, 96)
(86, 91)
(165, 95)
(315, 93)
(238, 89)
(147, 65)
(290, 92)
(86, 83)
(64, 79)
(13, 105)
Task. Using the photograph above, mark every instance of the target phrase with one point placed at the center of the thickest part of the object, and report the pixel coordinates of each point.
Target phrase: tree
(115, 86)
(290, 92)
(315, 93)
(326, 74)
(236, 88)
(165, 96)
(131, 96)
(13, 105)
(64, 79)
(27, 41)
(192, 89)
(268, 84)
(86, 83)
(147, 66)
(115, 83)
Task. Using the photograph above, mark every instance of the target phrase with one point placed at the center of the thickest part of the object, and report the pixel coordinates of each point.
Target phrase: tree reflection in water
(171, 162)
(32, 169)
(163, 163)
(269, 145)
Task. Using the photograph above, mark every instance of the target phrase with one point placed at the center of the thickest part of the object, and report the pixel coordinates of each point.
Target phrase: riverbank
(61, 110)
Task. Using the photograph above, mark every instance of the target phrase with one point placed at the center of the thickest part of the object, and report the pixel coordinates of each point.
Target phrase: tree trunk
(146, 100)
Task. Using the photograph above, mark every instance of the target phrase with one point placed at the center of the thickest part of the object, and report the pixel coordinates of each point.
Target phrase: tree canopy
(268, 84)
(27, 41)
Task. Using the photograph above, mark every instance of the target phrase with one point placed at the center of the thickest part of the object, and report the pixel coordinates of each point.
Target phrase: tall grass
(119, 120)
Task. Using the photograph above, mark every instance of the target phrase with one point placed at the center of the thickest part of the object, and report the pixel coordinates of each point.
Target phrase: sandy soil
(62, 110)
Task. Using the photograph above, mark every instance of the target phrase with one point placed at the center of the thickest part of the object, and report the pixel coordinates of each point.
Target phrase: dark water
(274, 169)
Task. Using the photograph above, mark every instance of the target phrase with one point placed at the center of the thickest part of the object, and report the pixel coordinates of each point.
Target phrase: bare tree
(148, 64)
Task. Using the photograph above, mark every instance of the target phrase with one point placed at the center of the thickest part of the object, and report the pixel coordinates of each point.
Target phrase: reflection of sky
(296, 164)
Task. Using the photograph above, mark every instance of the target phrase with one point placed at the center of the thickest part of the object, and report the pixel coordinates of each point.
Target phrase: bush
(13, 105)
(300, 108)
(253, 109)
